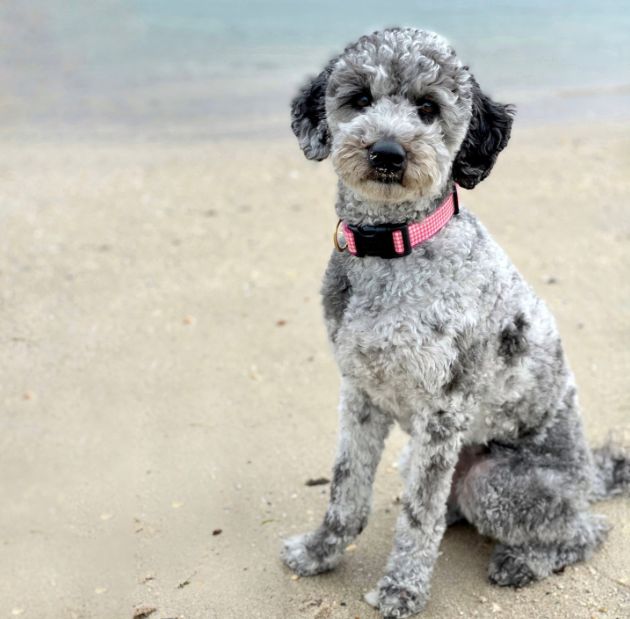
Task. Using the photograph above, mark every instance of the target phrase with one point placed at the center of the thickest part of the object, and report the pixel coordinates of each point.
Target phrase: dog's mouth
(385, 176)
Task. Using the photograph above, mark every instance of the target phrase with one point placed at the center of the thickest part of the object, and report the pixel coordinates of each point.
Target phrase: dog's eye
(362, 100)
(427, 109)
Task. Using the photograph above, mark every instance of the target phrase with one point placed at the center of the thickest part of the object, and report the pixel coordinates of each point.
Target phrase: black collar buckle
(455, 202)
(379, 240)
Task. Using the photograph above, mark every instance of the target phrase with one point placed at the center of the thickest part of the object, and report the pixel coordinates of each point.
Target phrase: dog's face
(401, 116)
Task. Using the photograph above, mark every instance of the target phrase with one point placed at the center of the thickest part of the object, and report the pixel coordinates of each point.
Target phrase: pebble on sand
(143, 610)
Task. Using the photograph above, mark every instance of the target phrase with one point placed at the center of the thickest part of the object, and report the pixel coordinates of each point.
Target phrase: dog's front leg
(363, 428)
(434, 447)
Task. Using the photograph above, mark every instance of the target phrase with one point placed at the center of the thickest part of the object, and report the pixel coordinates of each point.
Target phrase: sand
(167, 386)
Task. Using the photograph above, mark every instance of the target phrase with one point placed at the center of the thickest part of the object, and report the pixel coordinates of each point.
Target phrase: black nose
(389, 156)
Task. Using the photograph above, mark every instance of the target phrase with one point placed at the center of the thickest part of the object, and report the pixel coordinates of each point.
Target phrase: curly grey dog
(448, 340)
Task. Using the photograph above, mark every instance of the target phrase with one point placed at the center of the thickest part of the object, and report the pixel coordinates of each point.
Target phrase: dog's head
(401, 116)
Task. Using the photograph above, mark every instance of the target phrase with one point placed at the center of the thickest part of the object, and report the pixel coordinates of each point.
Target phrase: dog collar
(396, 240)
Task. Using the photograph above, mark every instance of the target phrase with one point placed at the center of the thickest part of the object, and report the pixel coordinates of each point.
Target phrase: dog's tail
(612, 471)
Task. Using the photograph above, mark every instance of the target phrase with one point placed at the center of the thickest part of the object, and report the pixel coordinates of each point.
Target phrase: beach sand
(168, 389)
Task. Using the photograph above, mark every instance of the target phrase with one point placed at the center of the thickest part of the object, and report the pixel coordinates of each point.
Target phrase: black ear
(488, 134)
(308, 117)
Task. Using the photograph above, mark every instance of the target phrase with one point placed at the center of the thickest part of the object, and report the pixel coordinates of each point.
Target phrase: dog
(441, 334)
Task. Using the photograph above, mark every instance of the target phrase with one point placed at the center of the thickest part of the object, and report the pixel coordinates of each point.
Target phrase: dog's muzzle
(388, 158)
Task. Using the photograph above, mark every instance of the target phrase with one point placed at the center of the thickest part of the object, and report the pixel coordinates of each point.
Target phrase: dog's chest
(395, 337)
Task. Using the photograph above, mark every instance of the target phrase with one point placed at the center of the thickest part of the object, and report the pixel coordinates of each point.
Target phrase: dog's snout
(387, 155)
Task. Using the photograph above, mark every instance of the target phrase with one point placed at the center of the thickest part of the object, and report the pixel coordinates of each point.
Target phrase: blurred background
(166, 386)
(199, 69)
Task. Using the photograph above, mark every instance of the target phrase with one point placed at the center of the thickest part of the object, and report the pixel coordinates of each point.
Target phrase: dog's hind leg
(518, 565)
(362, 432)
(532, 496)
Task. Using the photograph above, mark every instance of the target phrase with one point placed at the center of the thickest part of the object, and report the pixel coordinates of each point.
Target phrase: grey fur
(612, 472)
(449, 341)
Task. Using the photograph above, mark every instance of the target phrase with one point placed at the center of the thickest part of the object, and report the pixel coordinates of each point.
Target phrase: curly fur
(449, 341)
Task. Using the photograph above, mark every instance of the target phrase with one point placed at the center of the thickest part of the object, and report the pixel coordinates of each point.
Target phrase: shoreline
(198, 110)
(561, 112)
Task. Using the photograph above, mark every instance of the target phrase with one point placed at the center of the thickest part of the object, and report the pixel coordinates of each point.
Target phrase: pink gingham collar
(397, 240)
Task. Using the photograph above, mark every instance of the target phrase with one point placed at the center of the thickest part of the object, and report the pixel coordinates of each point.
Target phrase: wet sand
(168, 389)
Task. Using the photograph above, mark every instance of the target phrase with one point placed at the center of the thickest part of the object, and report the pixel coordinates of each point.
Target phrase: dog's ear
(308, 117)
(488, 134)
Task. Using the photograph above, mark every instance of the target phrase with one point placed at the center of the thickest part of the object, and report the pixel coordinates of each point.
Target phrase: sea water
(193, 69)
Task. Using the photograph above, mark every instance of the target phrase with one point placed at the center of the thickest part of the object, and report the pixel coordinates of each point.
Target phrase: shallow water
(192, 70)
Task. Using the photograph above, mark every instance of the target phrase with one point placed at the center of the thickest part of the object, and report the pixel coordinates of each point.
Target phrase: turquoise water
(191, 69)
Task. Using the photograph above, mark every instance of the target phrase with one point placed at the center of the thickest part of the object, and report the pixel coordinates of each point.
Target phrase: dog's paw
(508, 568)
(307, 555)
(395, 600)
(371, 597)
